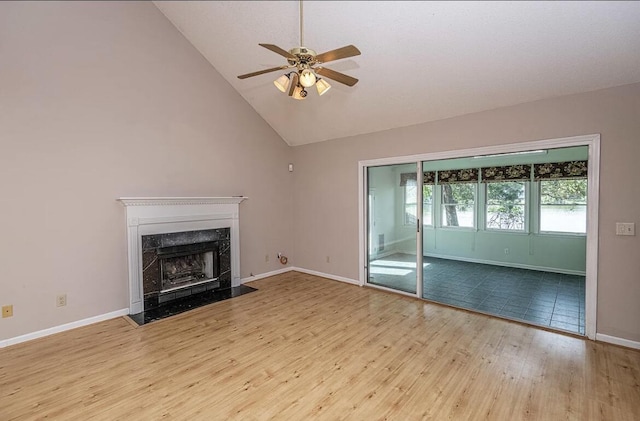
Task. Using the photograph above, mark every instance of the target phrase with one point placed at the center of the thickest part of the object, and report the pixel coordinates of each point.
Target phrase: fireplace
(178, 264)
(179, 246)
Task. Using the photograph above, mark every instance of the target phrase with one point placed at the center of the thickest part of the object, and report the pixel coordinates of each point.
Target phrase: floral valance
(550, 170)
(555, 170)
(508, 173)
(468, 175)
(408, 179)
(429, 177)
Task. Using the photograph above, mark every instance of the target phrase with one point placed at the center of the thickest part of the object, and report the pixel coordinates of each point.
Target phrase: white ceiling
(421, 61)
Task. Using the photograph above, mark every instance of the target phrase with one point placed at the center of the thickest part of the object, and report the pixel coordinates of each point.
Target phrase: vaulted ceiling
(420, 62)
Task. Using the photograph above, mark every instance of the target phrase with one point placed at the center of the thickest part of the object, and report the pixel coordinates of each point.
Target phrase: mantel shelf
(171, 201)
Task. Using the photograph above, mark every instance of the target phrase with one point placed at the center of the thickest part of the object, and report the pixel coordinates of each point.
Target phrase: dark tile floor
(542, 298)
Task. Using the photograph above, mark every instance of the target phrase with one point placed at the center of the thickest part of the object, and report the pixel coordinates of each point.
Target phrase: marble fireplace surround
(160, 215)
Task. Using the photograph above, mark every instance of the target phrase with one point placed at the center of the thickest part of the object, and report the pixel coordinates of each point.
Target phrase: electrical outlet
(7, 311)
(266, 258)
(61, 300)
(328, 259)
(506, 251)
(625, 228)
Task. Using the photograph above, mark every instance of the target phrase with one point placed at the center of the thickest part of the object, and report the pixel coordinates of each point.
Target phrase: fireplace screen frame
(210, 250)
(156, 248)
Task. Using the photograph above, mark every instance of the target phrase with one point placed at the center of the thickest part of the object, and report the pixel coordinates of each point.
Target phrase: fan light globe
(299, 93)
(307, 78)
(322, 86)
(282, 83)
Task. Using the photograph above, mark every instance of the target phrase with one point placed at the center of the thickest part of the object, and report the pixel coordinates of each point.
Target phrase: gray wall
(103, 100)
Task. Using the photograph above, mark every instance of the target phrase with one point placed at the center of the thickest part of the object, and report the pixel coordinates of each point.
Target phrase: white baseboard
(302, 270)
(64, 327)
(617, 341)
(508, 264)
(125, 311)
(328, 275)
(265, 275)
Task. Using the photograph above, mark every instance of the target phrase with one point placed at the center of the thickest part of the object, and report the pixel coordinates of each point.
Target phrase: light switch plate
(625, 228)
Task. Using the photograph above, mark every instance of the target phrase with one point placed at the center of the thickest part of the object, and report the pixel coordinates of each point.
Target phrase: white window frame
(474, 207)
(526, 206)
(556, 233)
(405, 203)
(433, 206)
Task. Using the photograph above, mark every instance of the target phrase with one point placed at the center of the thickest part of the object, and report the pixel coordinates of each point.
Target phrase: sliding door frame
(418, 234)
(592, 141)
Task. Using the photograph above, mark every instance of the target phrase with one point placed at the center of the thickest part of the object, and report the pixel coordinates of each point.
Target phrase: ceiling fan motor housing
(305, 56)
(305, 59)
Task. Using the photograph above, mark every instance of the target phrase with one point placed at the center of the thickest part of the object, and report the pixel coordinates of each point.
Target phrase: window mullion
(482, 203)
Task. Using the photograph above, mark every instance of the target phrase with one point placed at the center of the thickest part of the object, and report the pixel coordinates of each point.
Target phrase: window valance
(468, 175)
(522, 172)
(556, 170)
(429, 177)
(507, 173)
(408, 179)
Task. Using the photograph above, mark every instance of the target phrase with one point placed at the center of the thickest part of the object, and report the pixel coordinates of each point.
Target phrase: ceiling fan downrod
(301, 26)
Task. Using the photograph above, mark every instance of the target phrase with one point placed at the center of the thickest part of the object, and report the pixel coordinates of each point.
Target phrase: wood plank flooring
(307, 348)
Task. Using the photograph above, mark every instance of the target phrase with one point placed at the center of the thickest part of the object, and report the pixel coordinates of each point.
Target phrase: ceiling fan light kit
(293, 83)
(305, 75)
(322, 86)
(299, 93)
(282, 83)
(307, 78)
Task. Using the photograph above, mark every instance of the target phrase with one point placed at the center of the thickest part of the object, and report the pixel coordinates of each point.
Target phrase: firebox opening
(183, 263)
(187, 265)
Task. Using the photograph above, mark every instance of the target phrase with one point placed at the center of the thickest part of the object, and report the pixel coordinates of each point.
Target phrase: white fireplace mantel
(170, 201)
(159, 215)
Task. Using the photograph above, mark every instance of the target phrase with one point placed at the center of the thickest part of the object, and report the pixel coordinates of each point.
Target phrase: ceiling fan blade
(337, 54)
(261, 72)
(279, 50)
(337, 76)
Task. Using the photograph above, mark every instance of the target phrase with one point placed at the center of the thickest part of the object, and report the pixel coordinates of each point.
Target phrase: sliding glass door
(505, 234)
(393, 218)
(508, 231)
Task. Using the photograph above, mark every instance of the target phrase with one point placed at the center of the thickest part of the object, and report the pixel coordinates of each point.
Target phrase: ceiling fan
(307, 67)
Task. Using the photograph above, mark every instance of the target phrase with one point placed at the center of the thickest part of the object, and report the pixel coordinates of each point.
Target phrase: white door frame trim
(592, 141)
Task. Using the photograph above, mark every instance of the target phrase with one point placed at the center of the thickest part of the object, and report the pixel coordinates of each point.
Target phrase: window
(410, 203)
(427, 204)
(563, 206)
(458, 205)
(505, 205)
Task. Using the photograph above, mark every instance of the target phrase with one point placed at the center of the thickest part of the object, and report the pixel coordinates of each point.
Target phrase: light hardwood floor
(307, 348)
